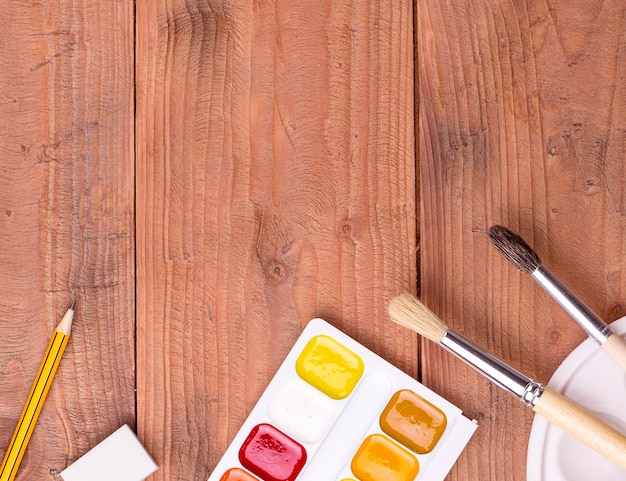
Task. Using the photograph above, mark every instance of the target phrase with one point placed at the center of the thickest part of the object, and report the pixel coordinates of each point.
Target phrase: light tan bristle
(409, 312)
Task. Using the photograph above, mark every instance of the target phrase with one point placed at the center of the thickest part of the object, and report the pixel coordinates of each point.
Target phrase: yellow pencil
(36, 398)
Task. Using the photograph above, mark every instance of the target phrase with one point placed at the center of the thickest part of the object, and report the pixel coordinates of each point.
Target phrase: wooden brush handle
(615, 347)
(582, 425)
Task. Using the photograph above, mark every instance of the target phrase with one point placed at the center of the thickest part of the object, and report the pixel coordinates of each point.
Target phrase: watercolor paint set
(335, 411)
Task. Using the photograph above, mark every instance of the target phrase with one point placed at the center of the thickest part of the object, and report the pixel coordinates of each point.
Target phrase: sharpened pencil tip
(73, 305)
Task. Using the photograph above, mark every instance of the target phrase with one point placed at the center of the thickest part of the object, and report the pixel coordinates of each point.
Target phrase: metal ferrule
(595, 327)
(500, 373)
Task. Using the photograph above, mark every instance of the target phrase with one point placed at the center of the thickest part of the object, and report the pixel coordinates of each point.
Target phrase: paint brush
(572, 418)
(519, 253)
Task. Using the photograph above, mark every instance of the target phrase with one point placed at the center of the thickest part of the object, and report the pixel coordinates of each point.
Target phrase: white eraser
(120, 457)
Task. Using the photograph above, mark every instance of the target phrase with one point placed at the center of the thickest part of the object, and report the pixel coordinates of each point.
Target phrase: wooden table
(206, 176)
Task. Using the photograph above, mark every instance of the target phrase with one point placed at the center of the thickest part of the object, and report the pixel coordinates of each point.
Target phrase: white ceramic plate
(592, 379)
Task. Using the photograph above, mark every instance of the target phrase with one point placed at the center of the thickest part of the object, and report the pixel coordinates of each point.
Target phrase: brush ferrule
(493, 368)
(533, 392)
(595, 327)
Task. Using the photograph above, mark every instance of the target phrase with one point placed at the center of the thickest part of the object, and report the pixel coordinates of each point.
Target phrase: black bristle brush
(519, 253)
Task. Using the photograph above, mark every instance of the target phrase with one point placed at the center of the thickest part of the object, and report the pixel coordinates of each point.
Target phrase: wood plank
(522, 122)
(66, 220)
(275, 183)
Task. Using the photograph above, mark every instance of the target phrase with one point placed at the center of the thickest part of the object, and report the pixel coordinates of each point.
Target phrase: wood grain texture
(66, 221)
(522, 121)
(275, 183)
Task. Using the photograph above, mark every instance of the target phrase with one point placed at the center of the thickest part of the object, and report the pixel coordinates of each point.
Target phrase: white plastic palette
(592, 379)
(337, 411)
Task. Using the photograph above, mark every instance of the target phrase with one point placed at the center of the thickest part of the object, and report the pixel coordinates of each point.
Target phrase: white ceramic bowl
(591, 378)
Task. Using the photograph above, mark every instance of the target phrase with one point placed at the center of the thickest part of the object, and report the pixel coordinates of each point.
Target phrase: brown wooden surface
(205, 177)
(275, 183)
(66, 221)
(522, 121)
